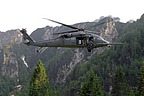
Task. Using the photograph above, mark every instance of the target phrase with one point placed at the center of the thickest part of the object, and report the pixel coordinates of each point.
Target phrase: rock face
(9, 64)
(65, 70)
(11, 36)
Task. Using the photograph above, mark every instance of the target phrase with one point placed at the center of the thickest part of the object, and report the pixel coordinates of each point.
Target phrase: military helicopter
(76, 38)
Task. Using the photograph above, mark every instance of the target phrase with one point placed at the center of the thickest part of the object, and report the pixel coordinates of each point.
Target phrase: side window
(91, 39)
(81, 40)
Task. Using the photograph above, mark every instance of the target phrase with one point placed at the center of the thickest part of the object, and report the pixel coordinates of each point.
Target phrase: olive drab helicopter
(76, 38)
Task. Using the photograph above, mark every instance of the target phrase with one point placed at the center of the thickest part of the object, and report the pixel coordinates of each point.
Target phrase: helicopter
(76, 38)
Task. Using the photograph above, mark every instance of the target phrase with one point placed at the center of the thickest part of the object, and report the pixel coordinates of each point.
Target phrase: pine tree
(140, 88)
(131, 92)
(91, 86)
(119, 87)
(96, 88)
(39, 84)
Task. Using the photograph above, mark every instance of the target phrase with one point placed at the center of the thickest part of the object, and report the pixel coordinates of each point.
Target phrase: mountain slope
(130, 56)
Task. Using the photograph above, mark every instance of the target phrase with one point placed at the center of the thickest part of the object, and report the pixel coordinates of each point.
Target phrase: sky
(18, 14)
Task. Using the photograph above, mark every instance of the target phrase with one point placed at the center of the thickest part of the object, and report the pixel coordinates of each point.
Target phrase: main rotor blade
(61, 23)
(65, 32)
(89, 31)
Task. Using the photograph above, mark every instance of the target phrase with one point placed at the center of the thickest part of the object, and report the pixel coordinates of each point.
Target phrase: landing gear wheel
(89, 50)
(90, 46)
(37, 51)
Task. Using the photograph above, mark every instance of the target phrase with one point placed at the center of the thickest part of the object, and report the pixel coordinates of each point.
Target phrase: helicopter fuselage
(76, 38)
(71, 42)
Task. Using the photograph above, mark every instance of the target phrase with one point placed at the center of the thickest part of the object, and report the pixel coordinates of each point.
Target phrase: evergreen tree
(39, 84)
(131, 92)
(119, 87)
(91, 86)
(140, 89)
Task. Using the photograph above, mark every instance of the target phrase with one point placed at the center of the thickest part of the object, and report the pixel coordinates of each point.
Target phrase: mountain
(67, 67)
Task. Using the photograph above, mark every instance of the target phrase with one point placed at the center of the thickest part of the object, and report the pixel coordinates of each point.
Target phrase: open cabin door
(81, 41)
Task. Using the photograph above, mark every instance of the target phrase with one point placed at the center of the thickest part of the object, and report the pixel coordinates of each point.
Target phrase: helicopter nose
(109, 45)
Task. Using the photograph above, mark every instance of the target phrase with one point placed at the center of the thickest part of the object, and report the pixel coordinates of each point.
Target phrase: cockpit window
(91, 39)
(99, 38)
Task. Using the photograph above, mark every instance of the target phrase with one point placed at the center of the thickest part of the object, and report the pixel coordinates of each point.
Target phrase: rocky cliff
(9, 64)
